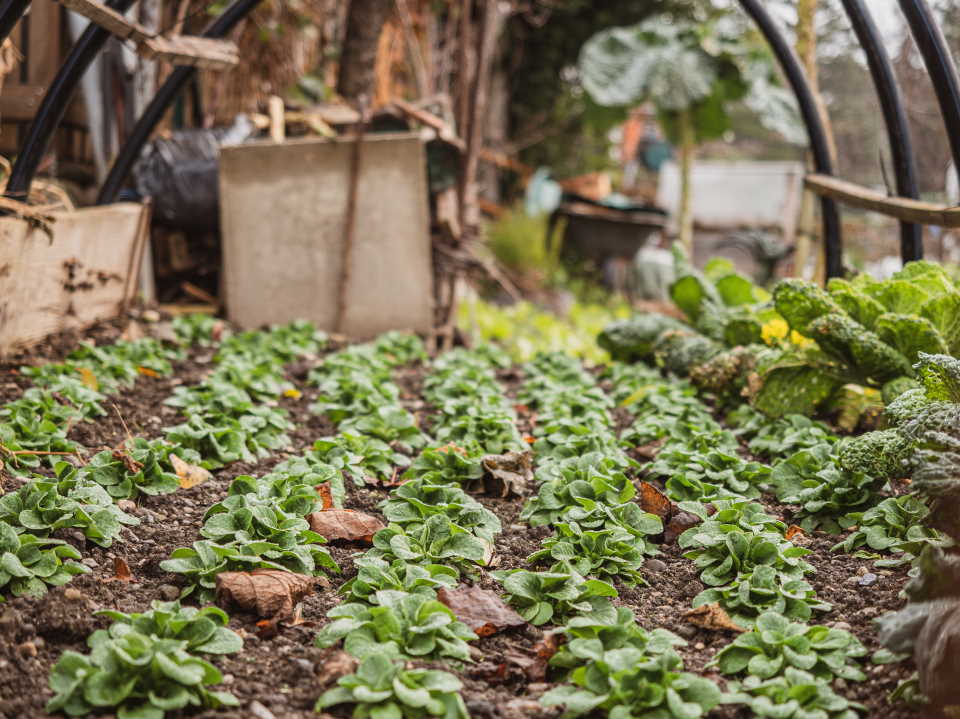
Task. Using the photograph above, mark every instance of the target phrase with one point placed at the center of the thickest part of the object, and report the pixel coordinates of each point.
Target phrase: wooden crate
(85, 272)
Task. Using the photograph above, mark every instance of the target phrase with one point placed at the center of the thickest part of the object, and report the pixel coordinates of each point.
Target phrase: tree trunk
(365, 20)
(688, 147)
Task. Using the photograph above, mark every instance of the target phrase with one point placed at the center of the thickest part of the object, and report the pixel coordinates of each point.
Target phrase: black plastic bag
(181, 174)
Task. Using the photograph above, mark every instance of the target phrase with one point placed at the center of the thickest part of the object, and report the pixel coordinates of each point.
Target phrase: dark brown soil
(283, 673)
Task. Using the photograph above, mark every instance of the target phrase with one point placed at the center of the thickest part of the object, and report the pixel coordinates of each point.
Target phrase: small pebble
(227, 679)
(655, 565)
(537, 688)
(855, 579)
(90, 562)
(275, 699)
(305, 664)
(126, 505)
(9, 621)
(27, 650)
(259, 711)
(169, 592)
(868, 579)
(699, 646)
(687, 631)
(840, 684)
(842, 626)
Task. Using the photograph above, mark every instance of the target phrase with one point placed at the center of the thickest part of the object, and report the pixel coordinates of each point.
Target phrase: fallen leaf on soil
(678, 524)
(480, 609)
(494, 673)
(509, 473)
(346, 524)
(713, 617)
(129, 463)
(651, 449)
(326, 495)
(270, 593)
(147, 372)
(190, 474)
(794, 531)
(338, 664)
(545, 649)
(654, 501)
(121, 571)
(88, 378)
(452, 448)
(216, 332)
(292, 393)
(675, 520)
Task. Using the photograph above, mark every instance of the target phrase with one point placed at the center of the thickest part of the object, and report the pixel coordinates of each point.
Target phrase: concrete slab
(282, 216)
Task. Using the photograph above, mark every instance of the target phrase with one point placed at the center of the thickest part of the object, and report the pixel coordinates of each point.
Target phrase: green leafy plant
(628, 682)
(204, 630)
(605, 484)
(542, 597)
(725, 551)
(451, 464)
(400, 625)
(390, 424)
(414, 501)
(44, 506)
(895, 525)
(435, 541)
(777, 643)
(589, 636)
(360, 456)
(375, 574)
(141, 467)
(204, 560)
(602, 541)
(29, 564)
(795, 694)
(764, 589)
(381, 688)
(139, 675)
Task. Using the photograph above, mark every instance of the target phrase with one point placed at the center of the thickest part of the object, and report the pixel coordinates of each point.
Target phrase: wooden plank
(212, 54)
(79, 278)
(20, 102)
(901, 208)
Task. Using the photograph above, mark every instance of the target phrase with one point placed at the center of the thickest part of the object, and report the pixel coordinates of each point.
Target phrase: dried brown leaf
(480, 609)
(654, 501)
(794, 533)
(147, 372)
(346, 524)
(337, 664)
(88, 378)
(679, 523)
(190, 474)
(545, 649)
(121, 571)
(651, 449)
(326, 495)
(509, 473)
(129, 463)
(712, 617)
(270, 593)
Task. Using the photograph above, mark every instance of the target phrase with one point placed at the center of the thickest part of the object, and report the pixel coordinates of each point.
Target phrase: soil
(282, 676)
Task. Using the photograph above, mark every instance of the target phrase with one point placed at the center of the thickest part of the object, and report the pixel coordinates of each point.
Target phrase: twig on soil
(125, 428)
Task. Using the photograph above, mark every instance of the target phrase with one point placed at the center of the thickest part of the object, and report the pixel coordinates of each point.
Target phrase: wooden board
(209, 53)
(86, 273)
(282, 209)
(902, 208)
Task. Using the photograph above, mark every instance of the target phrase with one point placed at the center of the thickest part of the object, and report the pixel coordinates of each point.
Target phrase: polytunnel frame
(926, 33)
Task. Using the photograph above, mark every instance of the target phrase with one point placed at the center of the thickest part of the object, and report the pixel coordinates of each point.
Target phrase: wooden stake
(350, 220)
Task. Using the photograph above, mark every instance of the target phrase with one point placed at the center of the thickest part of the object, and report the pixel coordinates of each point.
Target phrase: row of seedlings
(62, 488)
(609, 663)
(436, 534)
(147, 664)
(749, 568)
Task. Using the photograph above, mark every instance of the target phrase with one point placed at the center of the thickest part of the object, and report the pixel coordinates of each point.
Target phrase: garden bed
(285, 674)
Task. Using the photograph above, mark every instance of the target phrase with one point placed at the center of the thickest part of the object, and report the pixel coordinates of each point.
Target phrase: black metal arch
(162, 100)
(54, 104)
(939, 63)
(10, 13)
(819, 145)
(895, 118)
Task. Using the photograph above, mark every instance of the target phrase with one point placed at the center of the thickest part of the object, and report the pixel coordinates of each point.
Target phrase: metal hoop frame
(923, 27)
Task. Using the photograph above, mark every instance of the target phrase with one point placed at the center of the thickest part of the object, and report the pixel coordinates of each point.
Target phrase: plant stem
(688, 146)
